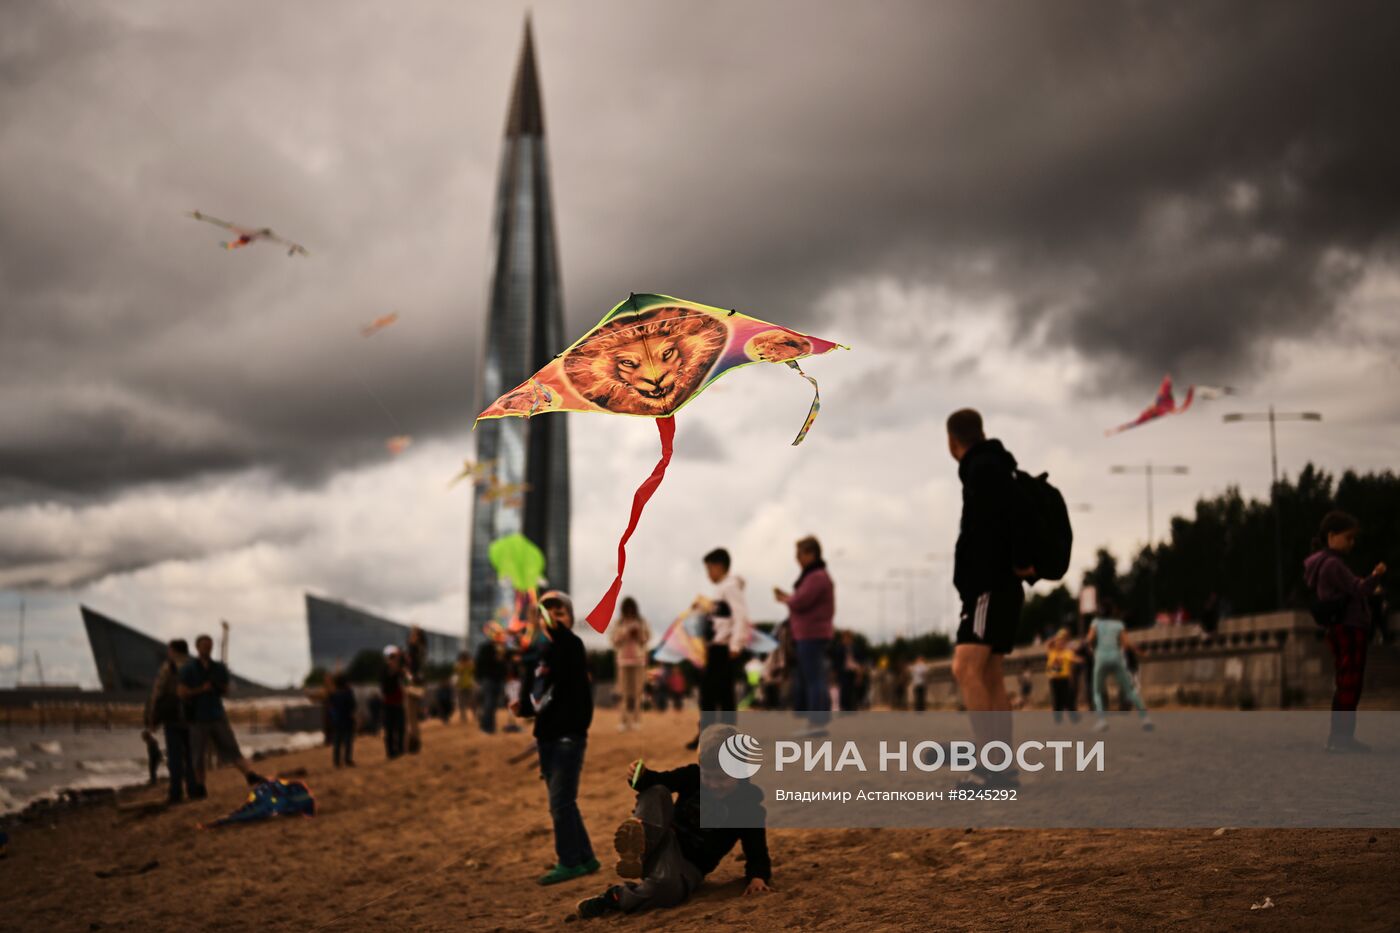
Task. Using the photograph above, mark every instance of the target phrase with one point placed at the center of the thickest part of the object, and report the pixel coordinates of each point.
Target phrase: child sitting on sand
(664, 844)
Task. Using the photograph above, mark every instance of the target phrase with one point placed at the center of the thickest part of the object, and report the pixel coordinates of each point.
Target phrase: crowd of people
(811, 667)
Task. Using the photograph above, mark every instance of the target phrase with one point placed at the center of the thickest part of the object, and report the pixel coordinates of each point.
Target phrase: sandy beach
(453, 839)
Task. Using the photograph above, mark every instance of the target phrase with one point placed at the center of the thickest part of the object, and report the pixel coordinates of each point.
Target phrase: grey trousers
(667, 878)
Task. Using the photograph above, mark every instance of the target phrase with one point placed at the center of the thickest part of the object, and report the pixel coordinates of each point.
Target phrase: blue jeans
(561, 760)
(812, 690)
(488, 697)
(178, 761)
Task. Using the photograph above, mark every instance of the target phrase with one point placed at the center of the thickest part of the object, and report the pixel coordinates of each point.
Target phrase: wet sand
(454, 838)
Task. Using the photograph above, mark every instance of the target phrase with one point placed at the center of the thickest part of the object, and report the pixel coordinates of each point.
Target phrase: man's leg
(969, 670)
(1101, 669)
(1128, 690)
(177, 759)
(199, 752)
(486, 713)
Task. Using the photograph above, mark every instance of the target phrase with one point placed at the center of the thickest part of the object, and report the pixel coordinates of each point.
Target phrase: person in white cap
(562, 713)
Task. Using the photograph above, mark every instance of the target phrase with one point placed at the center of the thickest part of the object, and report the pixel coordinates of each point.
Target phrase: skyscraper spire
(524, 328)
(526, 115)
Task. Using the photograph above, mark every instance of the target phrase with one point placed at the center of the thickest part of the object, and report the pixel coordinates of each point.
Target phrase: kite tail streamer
(816, 404)
(603, 612)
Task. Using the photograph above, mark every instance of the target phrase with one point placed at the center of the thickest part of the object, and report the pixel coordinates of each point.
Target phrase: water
(36, 764)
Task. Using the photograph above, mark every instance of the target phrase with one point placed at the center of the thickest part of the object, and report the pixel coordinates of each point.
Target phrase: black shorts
(219, 735)
(991, 619)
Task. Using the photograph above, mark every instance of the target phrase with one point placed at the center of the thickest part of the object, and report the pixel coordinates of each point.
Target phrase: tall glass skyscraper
(524, 328)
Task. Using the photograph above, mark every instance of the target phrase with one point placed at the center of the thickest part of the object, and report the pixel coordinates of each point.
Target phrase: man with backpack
(1009, 521)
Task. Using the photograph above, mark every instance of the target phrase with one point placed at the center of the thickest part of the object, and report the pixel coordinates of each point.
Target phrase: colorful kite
(517, 559)
(477, 473)
(1165, 403)
(649, 357)
(398, 443)
(247, 235)
(269, 799)
(378, 324)
(684, 640)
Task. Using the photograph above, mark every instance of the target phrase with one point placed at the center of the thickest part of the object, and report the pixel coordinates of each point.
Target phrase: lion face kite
(649, 357)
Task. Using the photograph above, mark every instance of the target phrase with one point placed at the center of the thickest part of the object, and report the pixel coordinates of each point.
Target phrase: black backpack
(1045, 526)
(1325, 612)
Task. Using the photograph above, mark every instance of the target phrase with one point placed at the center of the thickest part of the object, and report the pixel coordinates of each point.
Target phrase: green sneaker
(569, 872)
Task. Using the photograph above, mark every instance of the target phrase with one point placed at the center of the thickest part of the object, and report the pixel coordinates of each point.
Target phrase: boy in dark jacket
(664, 843)
(558, 693)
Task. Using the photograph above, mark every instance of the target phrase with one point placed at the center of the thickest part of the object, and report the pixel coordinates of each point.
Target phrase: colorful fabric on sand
(649, 357)
(270, 799)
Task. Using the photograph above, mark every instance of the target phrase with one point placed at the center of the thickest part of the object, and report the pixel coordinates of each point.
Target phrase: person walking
(811, 615)
(342, 707)
(203, 684)
(391, 696)
(989, 565)
(563, 713)
(630, 636)
(1060, 661)
(918, 681)
(1109, 638)
(1342, 606)
(727, 624)
(464, 677)
(490, 679)
(414, 660)
(166, 711)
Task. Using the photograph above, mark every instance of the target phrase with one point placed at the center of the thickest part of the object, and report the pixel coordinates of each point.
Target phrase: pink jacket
(812, 606)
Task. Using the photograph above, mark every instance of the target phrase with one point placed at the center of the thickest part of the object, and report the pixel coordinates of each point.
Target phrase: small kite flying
(1165, 403)
(378, 324)
(398, 443)
(649, 357)
(247, 235)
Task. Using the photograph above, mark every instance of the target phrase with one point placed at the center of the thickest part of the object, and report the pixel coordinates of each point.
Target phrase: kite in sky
(378, 324)
(684, 640)
(475, 472)
(1165, 403)
(649, 357)
(398, 443)
(247, 235)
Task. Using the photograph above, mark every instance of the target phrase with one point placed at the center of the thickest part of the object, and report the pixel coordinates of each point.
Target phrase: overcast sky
(1035, 209)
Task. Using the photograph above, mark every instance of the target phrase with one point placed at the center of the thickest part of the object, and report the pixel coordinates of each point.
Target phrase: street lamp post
(1150, 470)
(1273, 418)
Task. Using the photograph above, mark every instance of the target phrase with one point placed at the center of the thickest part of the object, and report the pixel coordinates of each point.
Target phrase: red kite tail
(603, 612)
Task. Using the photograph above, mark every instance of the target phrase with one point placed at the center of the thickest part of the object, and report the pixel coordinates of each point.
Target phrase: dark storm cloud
(1158, 186)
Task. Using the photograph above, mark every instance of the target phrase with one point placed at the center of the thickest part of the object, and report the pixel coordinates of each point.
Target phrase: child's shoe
(630, 840)
(609, 902)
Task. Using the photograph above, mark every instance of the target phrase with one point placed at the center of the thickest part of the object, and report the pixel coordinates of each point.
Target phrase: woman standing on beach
(630, 636)
(1110, 641)
(1342, 608)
